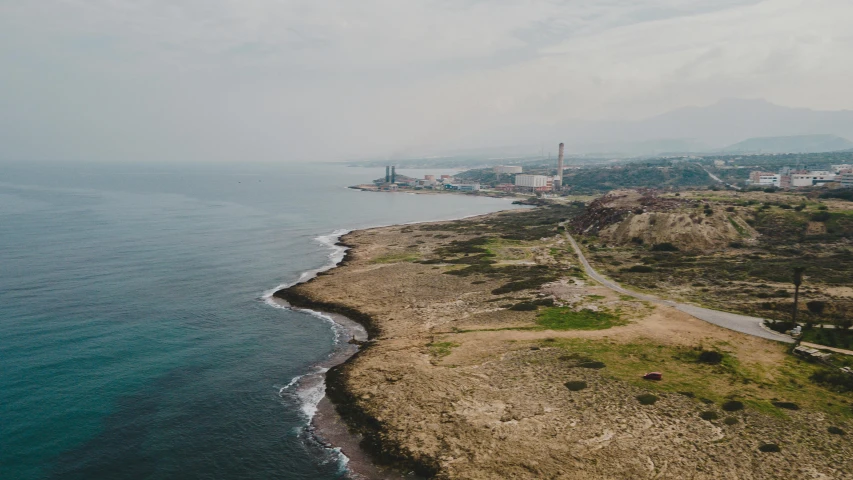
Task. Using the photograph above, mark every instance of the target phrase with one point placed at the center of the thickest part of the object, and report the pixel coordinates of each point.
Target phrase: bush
(770, 448)
(834, 379)
(576, 385)
(592, 364)
(820, 216)
(730, 209)
(647, 399)
(709, 415)
(786, 405)
(733, 406)
(836, 431)
(730, 420)
(664, 247)
(640, 269)
(524, 307)
(816, 306)
(710, 356)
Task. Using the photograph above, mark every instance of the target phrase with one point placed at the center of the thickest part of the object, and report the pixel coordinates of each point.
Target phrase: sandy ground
(451, 386)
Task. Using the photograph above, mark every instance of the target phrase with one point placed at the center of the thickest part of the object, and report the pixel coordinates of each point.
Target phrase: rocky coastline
(463, 376)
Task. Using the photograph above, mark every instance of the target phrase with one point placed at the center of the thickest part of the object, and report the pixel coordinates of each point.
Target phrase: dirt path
(731, 321)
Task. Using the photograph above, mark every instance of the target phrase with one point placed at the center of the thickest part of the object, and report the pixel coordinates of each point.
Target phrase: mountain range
(734, 125)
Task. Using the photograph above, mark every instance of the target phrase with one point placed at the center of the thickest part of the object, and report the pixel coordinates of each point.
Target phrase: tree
(798, 280)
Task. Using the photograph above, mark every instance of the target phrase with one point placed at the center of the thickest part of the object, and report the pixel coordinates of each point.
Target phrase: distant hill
(791, 144)
(715, 126)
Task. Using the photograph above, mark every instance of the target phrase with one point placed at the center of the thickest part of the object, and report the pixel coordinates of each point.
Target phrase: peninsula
(497, 351)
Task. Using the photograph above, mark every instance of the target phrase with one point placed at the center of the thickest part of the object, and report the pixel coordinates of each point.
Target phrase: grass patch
(564, 318)
(397, 258)
(647, 399)
(442, 349)
(740, 230)
(755, 385)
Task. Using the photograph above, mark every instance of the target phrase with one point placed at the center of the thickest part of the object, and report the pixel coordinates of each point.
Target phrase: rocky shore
(491, 355)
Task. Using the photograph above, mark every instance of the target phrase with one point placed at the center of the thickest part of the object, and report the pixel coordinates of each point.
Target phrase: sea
(138, 339)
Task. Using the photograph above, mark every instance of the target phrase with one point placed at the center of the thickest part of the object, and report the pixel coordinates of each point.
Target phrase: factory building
(811, 178)
(847, 180)
(534, 181)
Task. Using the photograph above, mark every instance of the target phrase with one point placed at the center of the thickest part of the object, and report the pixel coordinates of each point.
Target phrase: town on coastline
(544, 179)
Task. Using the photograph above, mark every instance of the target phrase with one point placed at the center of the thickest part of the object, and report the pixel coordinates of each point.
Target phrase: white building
(507, 169)
(533, 181)
(847, 180)
(839, 168)
(811, 178)
(774, 180)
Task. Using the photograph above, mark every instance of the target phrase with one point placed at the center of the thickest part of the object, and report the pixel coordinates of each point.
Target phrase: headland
(492, 354)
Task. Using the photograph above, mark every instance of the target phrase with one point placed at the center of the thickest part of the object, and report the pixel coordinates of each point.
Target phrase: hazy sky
(269, 80)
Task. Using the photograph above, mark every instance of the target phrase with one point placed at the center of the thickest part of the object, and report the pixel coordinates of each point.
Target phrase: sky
(320, 80)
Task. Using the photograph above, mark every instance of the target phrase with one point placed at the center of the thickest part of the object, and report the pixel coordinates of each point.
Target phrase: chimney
(387, 173)
(558, 185)
(393, 174)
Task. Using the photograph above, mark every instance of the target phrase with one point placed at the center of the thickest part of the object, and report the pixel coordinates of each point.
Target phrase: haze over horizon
(263, 80)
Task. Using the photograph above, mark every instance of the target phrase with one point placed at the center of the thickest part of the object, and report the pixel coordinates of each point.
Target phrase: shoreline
(336, 414)
(453, 382)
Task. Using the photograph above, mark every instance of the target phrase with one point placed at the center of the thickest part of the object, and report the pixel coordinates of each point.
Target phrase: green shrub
(770, 448)
(730, 420)
(576, 385)
(786, 405)
(732, 406)
(821, 216)
(834, 379)
(710, 356)
(524, 307)
(836, 431)
(647, 399)
(640, 269)
(664, 247)
(709, 415)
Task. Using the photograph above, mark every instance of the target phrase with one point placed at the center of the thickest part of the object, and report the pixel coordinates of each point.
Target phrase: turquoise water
(134, 341)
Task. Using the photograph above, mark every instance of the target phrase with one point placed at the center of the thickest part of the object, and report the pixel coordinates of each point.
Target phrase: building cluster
(831, 176)
(431, 182)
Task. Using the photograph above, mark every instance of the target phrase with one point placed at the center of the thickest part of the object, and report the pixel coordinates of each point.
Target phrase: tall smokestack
(393, 174)
(387, 173)
(558, 185)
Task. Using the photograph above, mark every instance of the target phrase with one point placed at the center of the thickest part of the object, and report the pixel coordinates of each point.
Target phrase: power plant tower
(393, 174)
(387, 173)
(558, 184)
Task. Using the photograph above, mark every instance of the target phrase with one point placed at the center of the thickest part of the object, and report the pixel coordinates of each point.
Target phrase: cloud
(230, 80)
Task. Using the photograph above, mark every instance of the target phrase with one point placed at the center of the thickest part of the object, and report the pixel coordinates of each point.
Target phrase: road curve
(731, 321)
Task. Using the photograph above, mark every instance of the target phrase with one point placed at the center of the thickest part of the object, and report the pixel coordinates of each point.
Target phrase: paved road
(732, 321)
(716, 178)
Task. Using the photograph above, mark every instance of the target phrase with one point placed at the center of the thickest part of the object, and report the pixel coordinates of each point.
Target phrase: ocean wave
(336, 255)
